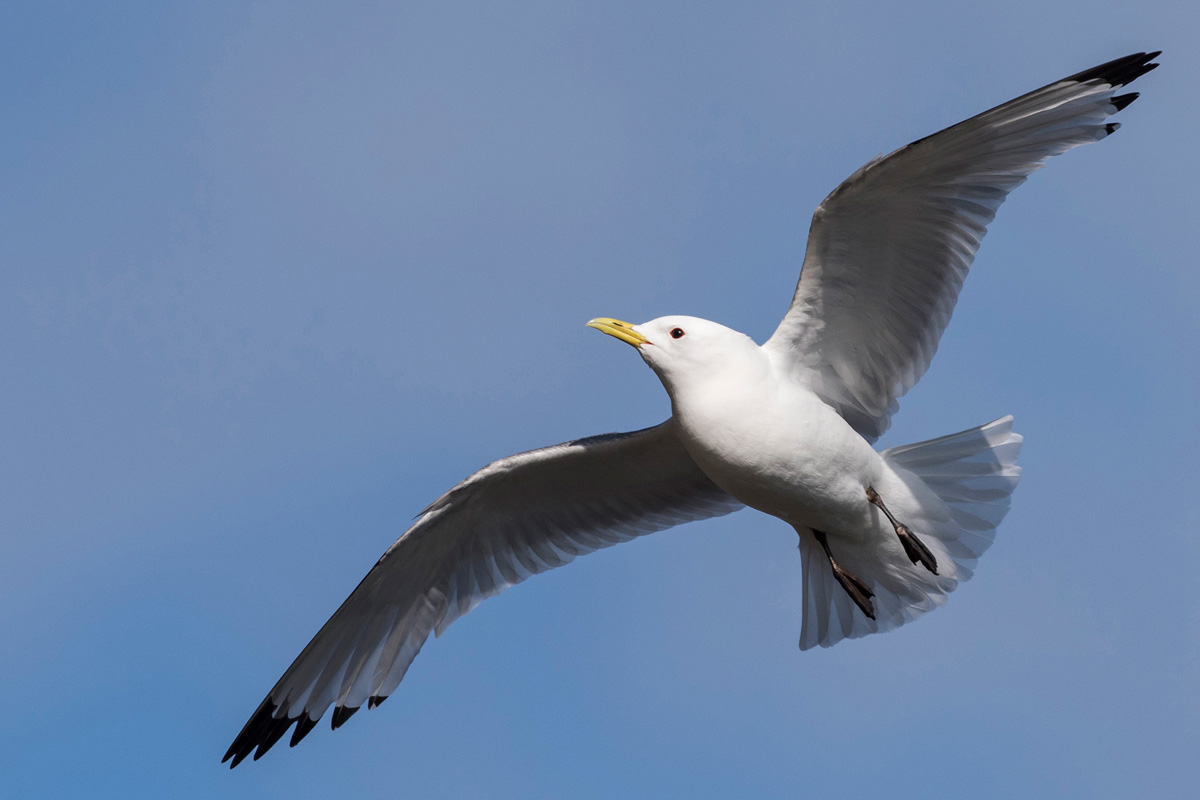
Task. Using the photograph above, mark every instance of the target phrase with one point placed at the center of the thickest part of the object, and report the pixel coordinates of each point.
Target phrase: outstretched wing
(888, 249)
(514, 518)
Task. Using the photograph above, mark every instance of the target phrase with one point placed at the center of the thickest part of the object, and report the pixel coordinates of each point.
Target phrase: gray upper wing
(514, 518)
(889, 248)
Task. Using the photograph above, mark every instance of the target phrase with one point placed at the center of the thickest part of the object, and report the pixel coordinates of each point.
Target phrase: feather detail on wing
(889, 248)
(514, 518)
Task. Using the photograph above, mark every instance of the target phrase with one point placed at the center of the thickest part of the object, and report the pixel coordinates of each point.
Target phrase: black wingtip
(1111, 128)
(341, 714)
(264, 730)
(273, 734)
(1123, 100)
(259, 734)
(1119, 71)
(303, 726)
(376, 700)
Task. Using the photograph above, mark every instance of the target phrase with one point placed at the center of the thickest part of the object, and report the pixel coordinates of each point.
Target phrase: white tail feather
(952, 492)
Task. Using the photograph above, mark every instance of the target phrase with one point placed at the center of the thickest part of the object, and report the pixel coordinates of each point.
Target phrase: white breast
(777, 447)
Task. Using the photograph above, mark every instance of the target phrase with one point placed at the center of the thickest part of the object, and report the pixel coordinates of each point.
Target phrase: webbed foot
(914, 548)
(859, 592)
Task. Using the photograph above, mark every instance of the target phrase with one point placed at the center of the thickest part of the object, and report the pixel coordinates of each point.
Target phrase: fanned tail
(953, 492)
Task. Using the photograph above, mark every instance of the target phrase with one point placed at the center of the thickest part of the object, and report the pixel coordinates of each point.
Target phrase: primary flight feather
(785, 427)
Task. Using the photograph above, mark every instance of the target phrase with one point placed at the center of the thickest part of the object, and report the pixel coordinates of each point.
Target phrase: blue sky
(278, 274)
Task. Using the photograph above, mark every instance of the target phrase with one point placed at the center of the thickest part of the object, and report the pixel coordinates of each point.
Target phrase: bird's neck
(719, 389)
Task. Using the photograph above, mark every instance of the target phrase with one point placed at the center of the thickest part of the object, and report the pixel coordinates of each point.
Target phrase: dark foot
(859, 592)
(914, 548)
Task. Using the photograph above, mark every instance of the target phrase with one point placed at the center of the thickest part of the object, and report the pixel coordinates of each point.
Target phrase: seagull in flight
(785, 427)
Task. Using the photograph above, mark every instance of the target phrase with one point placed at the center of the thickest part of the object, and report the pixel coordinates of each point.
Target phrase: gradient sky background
(275, 275)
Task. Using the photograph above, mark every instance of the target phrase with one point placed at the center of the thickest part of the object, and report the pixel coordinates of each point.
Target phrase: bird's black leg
(859, 592)
(914, 548)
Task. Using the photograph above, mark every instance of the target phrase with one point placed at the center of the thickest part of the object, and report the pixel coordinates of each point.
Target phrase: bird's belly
(798, 461)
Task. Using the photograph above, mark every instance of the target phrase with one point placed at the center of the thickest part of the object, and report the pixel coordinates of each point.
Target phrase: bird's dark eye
(676, 333)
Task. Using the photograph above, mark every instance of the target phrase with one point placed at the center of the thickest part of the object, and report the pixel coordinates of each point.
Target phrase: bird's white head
(687, 350)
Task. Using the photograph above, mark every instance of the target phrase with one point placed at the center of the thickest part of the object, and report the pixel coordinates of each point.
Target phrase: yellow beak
(622, 330)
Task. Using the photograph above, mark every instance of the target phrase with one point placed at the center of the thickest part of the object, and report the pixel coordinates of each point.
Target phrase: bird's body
(768, 440)
(786, 428)
(759, 432)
